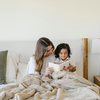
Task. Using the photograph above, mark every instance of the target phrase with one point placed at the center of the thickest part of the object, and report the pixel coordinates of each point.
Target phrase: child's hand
(74, 69)
(70, 68)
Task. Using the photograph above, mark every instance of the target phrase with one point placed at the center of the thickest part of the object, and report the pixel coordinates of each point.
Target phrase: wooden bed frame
(85, 57)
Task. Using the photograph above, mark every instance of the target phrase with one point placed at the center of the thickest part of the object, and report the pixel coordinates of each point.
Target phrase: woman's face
(49, 51)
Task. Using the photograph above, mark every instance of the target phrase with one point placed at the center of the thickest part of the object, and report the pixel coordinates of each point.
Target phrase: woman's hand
(49, 70)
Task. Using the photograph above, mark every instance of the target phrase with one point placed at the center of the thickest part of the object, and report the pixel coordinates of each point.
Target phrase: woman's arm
(32, 66)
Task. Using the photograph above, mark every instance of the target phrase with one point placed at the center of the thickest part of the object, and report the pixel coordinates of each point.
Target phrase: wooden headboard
(85, 57)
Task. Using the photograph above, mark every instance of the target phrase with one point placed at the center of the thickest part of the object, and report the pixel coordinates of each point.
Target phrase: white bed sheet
(4, 85)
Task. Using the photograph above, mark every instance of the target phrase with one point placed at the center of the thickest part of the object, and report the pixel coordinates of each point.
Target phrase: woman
(38, 63)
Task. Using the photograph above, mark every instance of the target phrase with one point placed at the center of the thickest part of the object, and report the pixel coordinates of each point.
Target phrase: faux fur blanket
(63, 86)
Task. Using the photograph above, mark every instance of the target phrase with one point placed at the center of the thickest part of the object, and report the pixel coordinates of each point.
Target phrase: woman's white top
(71, 62)
(31, 64)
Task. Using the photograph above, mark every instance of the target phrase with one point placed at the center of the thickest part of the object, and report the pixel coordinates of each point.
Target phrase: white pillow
(11, 67)
(15, 58)
(21, 71)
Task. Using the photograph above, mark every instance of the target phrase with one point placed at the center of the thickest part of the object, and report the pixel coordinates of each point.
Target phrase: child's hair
(62, 46)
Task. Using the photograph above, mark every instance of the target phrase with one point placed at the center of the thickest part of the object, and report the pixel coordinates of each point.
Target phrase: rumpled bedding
(63, 86)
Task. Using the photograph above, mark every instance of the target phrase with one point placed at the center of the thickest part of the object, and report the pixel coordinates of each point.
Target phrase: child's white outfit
(71, 62)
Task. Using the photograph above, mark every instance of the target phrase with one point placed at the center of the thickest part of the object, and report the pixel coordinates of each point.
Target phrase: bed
(65, 86)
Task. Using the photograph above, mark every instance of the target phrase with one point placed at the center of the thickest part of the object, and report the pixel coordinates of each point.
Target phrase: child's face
(63, 54)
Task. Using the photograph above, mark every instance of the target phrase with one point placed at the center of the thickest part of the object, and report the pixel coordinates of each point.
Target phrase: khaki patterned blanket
(63, 86)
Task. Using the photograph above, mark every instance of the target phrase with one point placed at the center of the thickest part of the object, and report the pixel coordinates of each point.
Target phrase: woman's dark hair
(60, 47)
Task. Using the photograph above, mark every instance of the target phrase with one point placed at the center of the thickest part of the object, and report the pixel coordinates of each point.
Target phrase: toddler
(62, 54)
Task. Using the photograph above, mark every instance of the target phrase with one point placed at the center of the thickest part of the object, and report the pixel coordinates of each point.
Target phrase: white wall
(28, 20)
(56, 19)
(93, 62)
